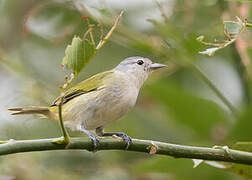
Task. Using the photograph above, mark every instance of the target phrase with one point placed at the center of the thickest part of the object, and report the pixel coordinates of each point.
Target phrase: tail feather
(31, 110)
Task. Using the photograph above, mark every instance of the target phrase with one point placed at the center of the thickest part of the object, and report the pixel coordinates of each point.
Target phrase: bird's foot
(95, 141)
(125, 138)
(94, 138)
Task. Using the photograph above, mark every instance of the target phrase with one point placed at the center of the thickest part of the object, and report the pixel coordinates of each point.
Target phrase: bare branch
(174, 150)
(103, 41)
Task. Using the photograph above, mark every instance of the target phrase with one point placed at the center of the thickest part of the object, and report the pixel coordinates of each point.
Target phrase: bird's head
(138, 68)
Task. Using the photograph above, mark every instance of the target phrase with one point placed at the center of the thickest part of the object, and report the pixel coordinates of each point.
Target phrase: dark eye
(140, 62)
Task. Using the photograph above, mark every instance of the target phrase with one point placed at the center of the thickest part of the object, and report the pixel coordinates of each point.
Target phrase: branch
(174, 150)
(102, 42)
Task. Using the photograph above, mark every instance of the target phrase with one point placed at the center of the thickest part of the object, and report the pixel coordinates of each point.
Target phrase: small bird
(99, 100)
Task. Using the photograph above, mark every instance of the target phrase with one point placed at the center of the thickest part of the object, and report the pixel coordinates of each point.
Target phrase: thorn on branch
(226, 150)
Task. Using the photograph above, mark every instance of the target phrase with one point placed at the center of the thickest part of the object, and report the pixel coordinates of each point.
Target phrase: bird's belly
(93, 110)
(109, 113)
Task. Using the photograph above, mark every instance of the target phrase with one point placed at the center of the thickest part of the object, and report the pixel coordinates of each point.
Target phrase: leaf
(210, 51)
(216, 164)
(197, 162)
(78, 54)
(231, 30)
(232, 27)
(200, 38)
(221, 165)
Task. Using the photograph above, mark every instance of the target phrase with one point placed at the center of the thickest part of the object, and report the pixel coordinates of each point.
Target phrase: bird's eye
(140, 62)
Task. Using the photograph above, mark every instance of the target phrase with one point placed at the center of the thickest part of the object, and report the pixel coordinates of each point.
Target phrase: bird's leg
(125, 137)
(91, 136)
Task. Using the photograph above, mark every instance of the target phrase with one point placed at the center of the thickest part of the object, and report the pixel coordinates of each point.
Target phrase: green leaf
(232, 27)
(78, 54)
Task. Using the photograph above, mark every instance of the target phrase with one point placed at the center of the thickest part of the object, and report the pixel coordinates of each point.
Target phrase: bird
(98, 101)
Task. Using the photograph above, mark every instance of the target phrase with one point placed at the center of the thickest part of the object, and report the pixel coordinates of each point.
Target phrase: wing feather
(91, 84)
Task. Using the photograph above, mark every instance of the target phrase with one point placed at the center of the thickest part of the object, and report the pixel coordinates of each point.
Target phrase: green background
(175, 105)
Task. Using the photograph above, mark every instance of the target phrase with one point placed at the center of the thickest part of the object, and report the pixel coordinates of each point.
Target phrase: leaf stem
(63, 129)
(92, 37)
(215, 89)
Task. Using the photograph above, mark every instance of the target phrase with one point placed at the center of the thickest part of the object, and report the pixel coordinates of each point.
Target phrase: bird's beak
(155, 66)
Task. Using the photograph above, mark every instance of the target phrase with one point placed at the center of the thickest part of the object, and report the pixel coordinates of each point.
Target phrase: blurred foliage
(232, 30)
(175, 105)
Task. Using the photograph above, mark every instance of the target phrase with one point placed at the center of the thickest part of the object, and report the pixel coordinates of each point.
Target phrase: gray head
(138, 68)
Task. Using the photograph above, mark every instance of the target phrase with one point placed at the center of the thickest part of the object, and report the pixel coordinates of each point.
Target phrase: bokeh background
(175, 105)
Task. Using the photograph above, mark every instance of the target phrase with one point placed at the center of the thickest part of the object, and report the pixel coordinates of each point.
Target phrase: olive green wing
(91, 84)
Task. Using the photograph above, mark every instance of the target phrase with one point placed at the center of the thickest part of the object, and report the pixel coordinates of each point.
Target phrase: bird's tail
(42, 110)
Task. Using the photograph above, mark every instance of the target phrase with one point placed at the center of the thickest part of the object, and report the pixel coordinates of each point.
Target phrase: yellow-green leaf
(78, 54)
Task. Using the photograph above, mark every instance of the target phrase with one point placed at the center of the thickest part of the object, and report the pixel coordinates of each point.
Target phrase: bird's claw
(125, 138)
(94, 138)
(95, 141)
